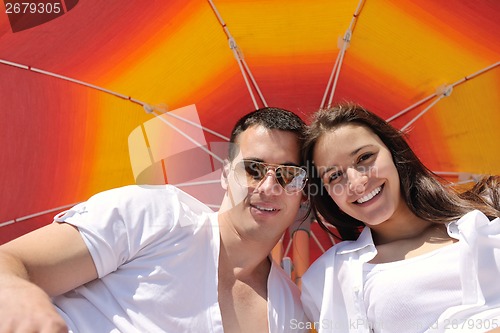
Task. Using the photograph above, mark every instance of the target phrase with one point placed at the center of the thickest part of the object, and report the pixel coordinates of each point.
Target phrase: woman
(427, 258)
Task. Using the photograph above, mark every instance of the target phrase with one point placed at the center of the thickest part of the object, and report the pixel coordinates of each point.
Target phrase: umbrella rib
(466, 176)
(423, 112)
(41, 71)
(27, 217)
(289, 245)
(331, 239)
(208, 182)
(199, 145)
(256, 86)
(213, 206)
(240, 65)
(205, 182)
(199, 126)
(340, 57)
(332, 74)
(316, 240)
(442, 93)
(245, 70)
(473, 75)
(148, 108)
(411, 107)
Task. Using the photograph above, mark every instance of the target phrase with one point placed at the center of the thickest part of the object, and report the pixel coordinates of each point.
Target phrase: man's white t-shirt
(156, 252)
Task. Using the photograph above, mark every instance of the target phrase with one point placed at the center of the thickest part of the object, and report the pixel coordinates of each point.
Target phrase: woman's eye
(334, 177)
(365, 157)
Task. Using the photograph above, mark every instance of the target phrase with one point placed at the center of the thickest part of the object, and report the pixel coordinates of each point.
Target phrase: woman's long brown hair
(426, 196)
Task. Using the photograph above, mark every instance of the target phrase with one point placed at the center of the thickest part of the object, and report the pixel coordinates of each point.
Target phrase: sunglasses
(250, 173)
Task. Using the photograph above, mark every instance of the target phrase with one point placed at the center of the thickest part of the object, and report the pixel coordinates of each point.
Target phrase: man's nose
(269, 184)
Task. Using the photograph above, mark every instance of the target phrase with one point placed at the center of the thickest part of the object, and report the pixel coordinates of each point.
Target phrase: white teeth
(369, 195)
(265, 209)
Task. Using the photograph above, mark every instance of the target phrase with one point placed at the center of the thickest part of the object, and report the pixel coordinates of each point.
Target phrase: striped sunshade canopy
(77, 78)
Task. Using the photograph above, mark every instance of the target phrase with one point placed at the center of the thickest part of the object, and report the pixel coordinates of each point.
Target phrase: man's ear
(225, 173)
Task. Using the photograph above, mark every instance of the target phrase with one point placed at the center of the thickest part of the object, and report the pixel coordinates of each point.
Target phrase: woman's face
(359, 174)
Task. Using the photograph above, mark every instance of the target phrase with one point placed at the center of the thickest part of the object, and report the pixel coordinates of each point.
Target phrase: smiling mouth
(369, 196)
(264, 209)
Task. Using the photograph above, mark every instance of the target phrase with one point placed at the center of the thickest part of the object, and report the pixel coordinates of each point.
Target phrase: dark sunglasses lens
(250, 173)
(291, 178)
(255, 171)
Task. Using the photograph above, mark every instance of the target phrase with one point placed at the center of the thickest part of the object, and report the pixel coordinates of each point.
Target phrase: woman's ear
(225, 173)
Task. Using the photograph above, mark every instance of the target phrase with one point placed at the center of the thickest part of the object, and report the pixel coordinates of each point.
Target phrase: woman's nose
(356, 180)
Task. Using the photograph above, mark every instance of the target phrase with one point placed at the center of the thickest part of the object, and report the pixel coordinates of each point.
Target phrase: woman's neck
(402, 225)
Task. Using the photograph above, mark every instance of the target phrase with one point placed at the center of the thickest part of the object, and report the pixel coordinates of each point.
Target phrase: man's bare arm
(46, 262)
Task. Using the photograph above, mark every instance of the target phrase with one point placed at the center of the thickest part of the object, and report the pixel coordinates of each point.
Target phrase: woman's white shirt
(397, 294)
(334, 289)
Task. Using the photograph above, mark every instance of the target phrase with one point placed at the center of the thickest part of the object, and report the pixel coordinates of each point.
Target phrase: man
(154, 259)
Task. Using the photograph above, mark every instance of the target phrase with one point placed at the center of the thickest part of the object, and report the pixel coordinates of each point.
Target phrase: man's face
(263, 207)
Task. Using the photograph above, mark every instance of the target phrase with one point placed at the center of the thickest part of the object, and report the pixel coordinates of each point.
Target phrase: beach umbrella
(84, 86)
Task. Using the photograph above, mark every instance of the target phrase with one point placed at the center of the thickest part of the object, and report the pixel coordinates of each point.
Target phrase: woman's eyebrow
(322, 173)
(356, 151)
(353, 153)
